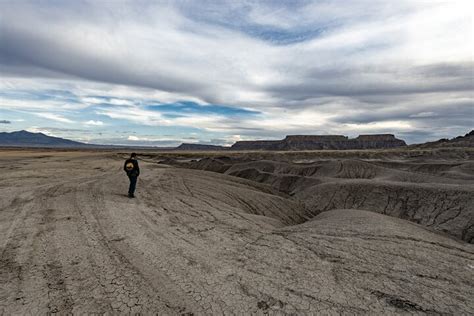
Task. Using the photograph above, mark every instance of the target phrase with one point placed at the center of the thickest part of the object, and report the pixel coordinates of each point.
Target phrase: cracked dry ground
(205, 243)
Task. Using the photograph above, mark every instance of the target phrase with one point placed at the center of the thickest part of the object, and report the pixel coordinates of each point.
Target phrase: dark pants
(133, 184)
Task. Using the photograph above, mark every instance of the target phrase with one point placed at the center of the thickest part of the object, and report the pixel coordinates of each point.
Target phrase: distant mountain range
(27, 139)
(291, 142)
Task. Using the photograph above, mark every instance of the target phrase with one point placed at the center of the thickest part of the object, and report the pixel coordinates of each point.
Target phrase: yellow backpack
(129, 166)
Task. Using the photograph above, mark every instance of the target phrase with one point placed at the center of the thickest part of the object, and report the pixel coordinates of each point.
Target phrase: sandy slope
(202, 242)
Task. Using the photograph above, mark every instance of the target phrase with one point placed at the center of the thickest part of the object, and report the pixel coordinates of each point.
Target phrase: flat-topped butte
(317, 142)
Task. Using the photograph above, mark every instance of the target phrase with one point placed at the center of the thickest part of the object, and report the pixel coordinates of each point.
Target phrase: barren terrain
(296, 233)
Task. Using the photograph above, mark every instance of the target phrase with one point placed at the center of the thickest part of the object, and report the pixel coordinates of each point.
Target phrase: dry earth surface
(263, 235)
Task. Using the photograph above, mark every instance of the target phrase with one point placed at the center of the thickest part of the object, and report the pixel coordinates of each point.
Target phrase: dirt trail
(206, 243)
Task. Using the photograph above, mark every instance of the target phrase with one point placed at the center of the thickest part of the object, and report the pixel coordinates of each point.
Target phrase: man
(133, 171)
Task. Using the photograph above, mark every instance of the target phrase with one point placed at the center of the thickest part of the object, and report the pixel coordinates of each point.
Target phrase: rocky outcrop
(460, 141)
(302, 142)
(319, 142)
(258, 145)
(377, 141)
(187, 146)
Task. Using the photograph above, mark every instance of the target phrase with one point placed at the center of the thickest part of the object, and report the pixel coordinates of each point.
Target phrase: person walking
(133, 171)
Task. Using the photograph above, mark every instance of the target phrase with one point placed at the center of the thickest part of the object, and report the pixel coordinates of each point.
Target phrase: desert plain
(302, 233)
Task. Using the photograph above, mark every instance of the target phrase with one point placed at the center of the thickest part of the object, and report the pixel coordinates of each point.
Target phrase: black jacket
(135, 172)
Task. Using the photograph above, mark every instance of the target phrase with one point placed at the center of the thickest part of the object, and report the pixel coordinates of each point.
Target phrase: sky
(160, 73)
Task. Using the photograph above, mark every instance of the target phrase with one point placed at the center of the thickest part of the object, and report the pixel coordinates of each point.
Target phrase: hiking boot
(131, 196)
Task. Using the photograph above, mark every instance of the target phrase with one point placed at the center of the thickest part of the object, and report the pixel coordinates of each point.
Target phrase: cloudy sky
(162, 73)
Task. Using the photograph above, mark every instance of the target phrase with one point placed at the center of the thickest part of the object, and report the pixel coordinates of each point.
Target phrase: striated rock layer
(318, 142)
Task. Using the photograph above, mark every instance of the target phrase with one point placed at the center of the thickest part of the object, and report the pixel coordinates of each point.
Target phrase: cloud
(54, 117)
(148, 141)
(5, 122)
(62, 130)
(46, 131)
(94, 123)
(206, 45)
(133, 114)
(386, 125)
(423, 114)
(133, 138)
(259, 69)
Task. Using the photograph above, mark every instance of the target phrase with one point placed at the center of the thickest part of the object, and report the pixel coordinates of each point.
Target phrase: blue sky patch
(187, 107)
